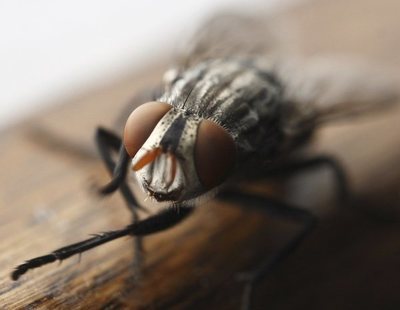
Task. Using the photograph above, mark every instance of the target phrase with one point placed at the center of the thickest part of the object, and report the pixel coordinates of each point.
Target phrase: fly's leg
(297, 166)
(107, 143)
(281, 209)
(156, 223)
(273, 208)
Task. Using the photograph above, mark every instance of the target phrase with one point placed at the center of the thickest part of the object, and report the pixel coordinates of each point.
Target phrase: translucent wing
(317, 89)
(228, 35)
(322, 89)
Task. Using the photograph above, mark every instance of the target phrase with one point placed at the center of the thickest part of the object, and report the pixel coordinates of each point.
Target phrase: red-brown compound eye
(214, 154)
(141, 124)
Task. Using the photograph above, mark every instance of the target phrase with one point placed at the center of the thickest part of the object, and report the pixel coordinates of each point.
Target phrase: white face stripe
(185, 149)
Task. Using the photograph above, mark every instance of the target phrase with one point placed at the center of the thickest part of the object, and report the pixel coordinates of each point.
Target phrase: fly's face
(177, 156)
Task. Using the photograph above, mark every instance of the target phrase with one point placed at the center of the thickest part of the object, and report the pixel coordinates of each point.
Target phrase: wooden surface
(351, 261)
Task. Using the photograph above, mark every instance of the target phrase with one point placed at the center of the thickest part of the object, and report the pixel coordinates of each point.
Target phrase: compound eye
(141, 124)
(214, 154)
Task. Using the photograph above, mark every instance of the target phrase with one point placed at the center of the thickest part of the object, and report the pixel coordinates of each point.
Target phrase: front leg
(107, 143)
(159, 222)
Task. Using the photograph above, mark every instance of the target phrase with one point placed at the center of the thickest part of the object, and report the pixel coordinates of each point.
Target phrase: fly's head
(176, 156)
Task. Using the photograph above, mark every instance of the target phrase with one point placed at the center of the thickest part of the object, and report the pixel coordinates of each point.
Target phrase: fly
(230, 109)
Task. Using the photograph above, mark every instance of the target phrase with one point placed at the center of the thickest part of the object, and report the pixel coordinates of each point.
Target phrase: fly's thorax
(183, 157)
(238, 95)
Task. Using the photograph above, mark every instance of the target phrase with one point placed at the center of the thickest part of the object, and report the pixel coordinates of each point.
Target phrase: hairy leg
(107, 143)
(159, 222)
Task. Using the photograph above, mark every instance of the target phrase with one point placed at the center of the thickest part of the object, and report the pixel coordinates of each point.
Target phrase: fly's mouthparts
(167, 196)
(161, 174)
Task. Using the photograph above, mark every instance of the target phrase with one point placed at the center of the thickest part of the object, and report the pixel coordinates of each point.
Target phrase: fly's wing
(322, 89)
(316, 89)
(229, 35)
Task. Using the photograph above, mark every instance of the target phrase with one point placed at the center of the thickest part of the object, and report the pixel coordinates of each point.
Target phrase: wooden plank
(349, 262)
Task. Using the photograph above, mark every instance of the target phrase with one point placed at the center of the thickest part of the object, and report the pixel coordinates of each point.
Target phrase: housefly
(236, 104)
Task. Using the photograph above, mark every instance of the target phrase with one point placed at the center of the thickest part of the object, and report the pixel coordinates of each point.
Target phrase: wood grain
(351, 261)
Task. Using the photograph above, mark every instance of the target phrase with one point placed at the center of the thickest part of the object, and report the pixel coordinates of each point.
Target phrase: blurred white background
(53, 49)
